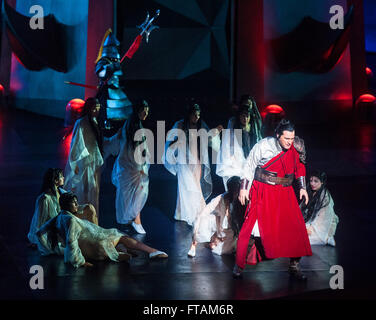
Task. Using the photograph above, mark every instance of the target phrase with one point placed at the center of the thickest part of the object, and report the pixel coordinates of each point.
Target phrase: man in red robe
(273, 213)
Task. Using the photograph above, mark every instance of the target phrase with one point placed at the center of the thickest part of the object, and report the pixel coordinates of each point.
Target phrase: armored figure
(115, 104)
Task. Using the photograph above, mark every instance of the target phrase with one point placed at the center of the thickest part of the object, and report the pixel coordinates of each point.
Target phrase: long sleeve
(46, 208)
(323, 223)
(174, 148)
(72, 251)
(252, 162)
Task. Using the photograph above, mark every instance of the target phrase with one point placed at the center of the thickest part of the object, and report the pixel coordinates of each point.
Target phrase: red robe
(282, 229)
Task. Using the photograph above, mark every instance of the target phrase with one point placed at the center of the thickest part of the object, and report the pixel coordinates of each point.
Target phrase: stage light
(369, 72)
(273, 109)
(365, 98)
(73, 111)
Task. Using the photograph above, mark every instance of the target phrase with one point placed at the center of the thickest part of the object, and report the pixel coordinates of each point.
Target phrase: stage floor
(30, 143)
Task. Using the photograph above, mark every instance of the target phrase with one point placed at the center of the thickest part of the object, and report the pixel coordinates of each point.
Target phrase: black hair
(49, 178)
(191, 109)
(317, 199)
(237, 212)
(66, 199)
(319, 174)
(134, 122)
(233, 185)
(283, 125)
(90, 103)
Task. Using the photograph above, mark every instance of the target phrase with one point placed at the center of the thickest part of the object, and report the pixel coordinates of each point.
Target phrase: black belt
(270, 177)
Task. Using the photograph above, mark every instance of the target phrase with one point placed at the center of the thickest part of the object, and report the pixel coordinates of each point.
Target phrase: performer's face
(143, 114)
(95, 110)
(60, 181)
(73, 208)
(315, 183)
(244, 118)
(286, 139)
(195, 117)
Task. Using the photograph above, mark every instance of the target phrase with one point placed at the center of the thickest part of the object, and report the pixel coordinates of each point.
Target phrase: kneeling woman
(84, 240)
(321, 220)
(217, 222)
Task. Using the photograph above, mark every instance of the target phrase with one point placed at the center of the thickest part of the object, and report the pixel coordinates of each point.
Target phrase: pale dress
(324, 225)
(231, 159)
(215, 218)
(194, 179)
(46, 208)
(85, 154)
(130, 177)
(80, 239)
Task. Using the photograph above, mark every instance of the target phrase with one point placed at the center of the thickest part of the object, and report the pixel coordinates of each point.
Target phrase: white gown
(206, 225)
(85, 154)
(80, 239)
(194, 179)
(130, 178)
(46, 208)
(324, 225)
(231, 159)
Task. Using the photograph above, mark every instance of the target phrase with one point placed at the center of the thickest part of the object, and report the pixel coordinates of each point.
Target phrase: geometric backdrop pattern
(193, 38)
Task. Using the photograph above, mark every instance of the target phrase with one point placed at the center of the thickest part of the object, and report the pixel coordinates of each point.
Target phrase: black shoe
(297, 273)
(237, 272)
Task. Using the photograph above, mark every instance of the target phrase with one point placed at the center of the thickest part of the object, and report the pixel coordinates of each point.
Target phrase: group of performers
(258, 215)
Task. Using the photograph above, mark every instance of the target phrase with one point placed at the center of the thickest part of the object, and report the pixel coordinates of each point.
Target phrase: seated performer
(215, 223)
(47, 203)
(321, 220)
(83, 240)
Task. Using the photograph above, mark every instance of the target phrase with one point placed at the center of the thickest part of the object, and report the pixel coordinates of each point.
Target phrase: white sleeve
(72, 251)
(252, 162)
(323, 221)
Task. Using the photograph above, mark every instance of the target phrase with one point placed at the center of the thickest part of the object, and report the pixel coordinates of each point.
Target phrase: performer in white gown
(321, 220)
(47, 203)
(215, 223)
(236, 144)
(131, 177)
(190, 163)
(83, 168)
(82, 240)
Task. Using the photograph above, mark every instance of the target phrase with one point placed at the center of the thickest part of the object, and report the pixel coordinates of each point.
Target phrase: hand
(303, 193)
(87, 265)
(243, 196)
(309, 231)
(76, 170)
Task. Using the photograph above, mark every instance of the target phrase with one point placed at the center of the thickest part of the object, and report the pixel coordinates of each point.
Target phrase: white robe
(231, 159)
(324, 225)
(85, 154)
(207, 224)
(80, 239)
(194, 179)
(46, 208)
(130, 178)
